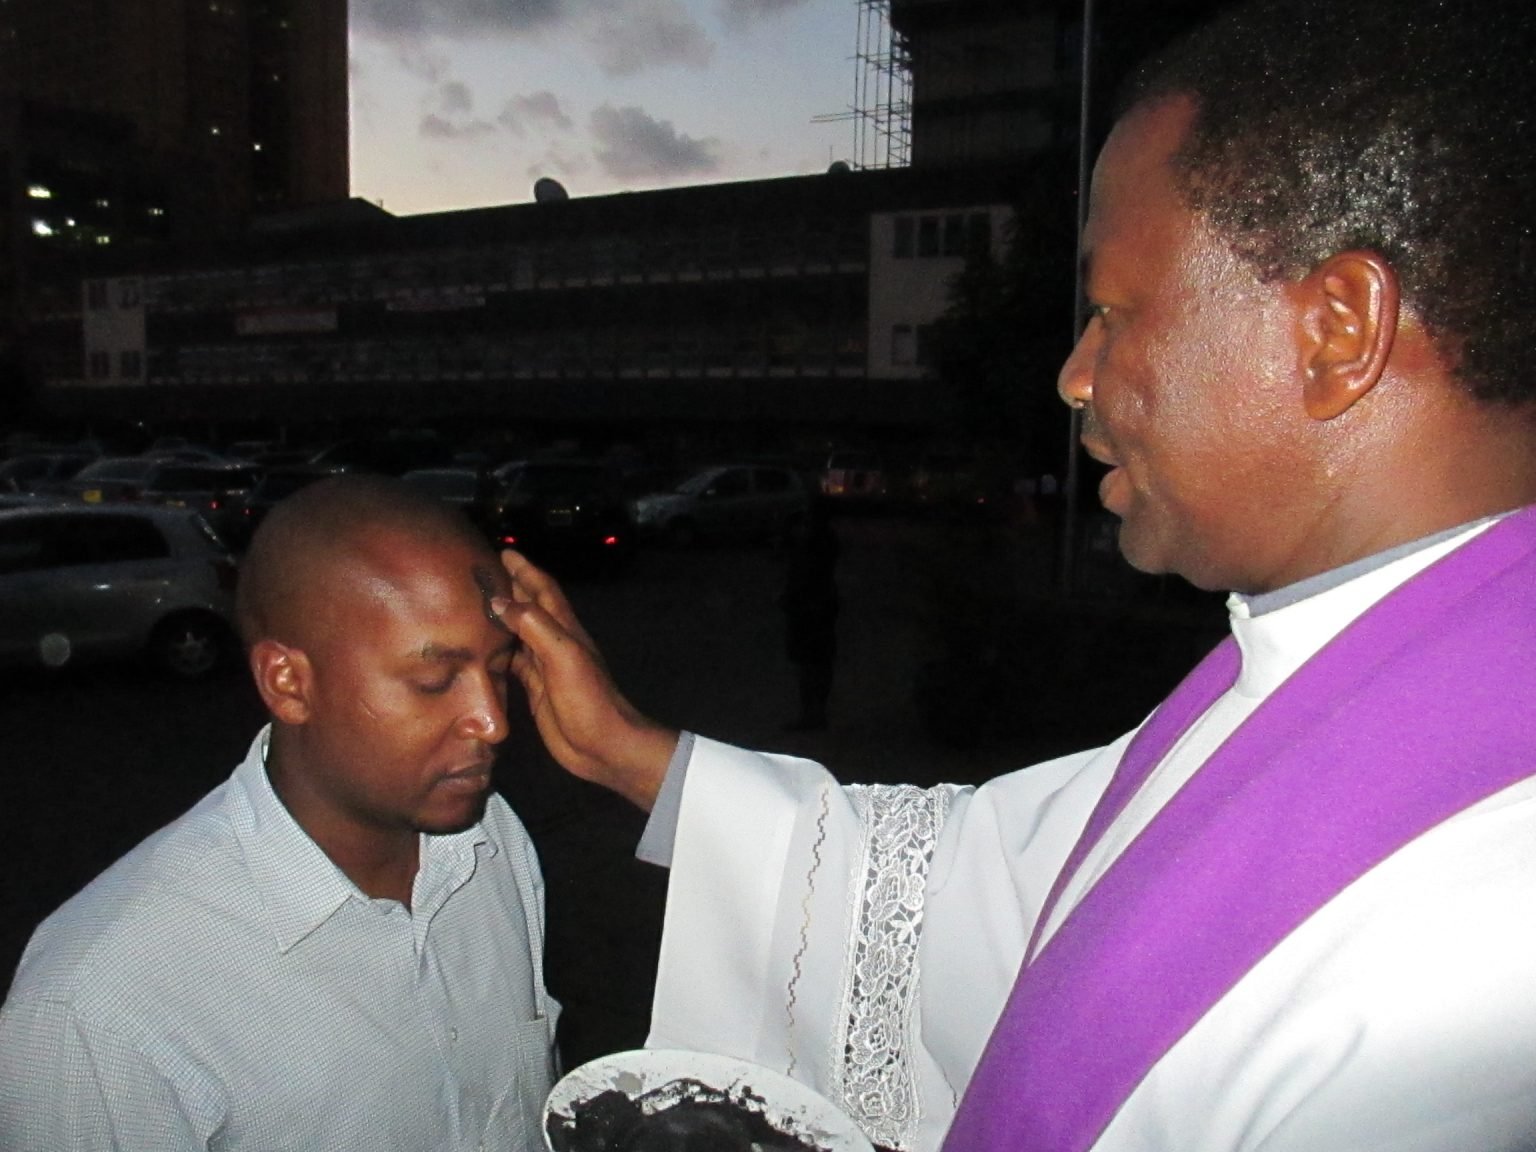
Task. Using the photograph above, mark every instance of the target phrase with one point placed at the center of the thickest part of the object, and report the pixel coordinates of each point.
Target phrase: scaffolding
(881, 111)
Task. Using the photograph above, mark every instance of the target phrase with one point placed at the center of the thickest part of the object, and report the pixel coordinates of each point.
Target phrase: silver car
(88, 583)
(733, 501)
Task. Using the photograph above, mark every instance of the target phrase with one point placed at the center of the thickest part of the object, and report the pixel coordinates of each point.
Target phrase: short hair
(1402, 127)
(307, 533)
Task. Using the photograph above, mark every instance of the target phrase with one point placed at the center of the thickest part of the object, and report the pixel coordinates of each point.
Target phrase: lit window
(103, 238)
(41, 228)
(216, 130)
(157, 211)
(69, 221)
(256, 147)
(103, 202)
(39, 192)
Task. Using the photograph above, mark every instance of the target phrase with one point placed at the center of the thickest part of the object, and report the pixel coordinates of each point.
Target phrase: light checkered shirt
(225, 986)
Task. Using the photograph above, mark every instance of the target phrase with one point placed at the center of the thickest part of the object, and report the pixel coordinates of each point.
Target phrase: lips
(475, 778)
(1111, 486)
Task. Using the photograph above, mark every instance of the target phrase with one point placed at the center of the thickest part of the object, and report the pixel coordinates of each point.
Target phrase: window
(107, 540)
(954, 235)
(903, 344)
(928, 236)
(978, 225)
(926, 348)
(736, 482)
(100, 365)
(128, 294)
(130, 364)
(22, 548)
(904, 232)
(772, 480)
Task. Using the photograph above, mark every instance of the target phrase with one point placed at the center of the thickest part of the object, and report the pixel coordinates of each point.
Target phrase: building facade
(794, 299)
(127, 125)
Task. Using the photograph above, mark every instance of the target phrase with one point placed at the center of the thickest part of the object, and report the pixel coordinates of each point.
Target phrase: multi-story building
(994, 80)
(123, 124)
(793, 299)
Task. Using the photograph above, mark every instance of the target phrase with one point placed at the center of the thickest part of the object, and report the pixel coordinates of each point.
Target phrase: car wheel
(188, 647)
(682, 533)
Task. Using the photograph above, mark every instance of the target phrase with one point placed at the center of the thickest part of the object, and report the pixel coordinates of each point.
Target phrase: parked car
(954, 483)
(473, 490)
(727, 502)
(88, 583)
(214, 489)
(112, 478)
(41, 471)
(392, 454)
(565, 512)
(273, 485)
(854, 478)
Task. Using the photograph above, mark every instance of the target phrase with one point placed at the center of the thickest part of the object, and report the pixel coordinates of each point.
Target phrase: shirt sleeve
(64, 1084)
(660, 833)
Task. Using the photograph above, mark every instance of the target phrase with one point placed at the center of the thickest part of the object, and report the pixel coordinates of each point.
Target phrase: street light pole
(1074, 419)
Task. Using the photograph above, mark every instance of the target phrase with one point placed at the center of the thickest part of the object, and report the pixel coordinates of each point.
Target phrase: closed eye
(438, 687)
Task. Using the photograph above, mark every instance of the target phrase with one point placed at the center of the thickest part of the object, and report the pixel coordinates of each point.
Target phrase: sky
(465, 103)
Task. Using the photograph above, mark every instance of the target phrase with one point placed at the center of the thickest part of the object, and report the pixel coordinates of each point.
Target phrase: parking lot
(931, 684)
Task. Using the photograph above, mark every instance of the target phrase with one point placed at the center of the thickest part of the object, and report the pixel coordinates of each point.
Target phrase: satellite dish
(837, 167)
(547, 190)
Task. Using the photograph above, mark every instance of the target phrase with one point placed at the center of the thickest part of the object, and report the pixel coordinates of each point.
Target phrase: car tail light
(610, 541)
(509, 541)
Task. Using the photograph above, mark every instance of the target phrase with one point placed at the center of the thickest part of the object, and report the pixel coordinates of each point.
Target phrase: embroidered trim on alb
(873, 1073)
(805, 930)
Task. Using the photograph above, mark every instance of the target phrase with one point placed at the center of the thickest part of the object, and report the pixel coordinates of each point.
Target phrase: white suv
(79, 583)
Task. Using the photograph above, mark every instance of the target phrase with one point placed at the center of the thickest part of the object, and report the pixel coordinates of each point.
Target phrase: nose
(485, 719)
(1074, 384)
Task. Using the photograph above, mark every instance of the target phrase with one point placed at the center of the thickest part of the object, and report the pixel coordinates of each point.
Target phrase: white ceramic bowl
(787, 1104)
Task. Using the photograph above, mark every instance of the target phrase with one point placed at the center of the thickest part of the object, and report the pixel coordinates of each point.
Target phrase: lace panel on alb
(873, 1069)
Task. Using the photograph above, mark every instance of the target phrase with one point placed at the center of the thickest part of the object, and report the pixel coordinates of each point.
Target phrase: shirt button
(453, 1034)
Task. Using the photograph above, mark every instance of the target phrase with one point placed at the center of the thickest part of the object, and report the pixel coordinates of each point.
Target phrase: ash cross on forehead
(487, 585)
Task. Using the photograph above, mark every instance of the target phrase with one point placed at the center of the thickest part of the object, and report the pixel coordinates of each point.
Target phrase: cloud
(448, 114)
(534, 110)
(624, 36)
(459, 19)
(455, 98)
(737, 13)
(422, 63)
(630, 37)
(435, 127)
(633, 144)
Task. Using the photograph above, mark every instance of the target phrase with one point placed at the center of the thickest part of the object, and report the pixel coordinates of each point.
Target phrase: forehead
(1134, 201)
(420, 584)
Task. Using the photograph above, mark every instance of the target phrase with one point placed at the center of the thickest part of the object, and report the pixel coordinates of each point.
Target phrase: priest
(1293, 911)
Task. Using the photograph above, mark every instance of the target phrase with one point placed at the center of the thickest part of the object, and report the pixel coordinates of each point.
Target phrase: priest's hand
(586, 723)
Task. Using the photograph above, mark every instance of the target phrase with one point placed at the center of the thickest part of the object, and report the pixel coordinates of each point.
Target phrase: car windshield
(694, 485)
(135, 469)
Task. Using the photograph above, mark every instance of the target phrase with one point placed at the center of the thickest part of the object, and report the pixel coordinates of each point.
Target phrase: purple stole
(1417, 710)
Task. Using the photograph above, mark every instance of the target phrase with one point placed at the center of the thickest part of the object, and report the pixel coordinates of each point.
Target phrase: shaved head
(324, 537)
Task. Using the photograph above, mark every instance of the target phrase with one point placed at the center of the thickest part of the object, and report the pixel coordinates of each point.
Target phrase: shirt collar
(1279, 631)
(298, 884)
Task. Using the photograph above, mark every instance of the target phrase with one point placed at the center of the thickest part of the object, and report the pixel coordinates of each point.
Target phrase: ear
(1350, 304)
(285, 680)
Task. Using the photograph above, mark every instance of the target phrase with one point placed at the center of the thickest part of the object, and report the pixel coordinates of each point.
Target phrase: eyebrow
(434, 653)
